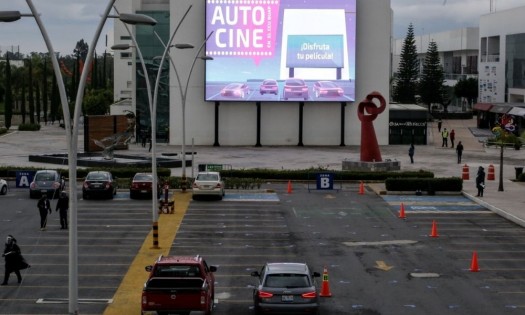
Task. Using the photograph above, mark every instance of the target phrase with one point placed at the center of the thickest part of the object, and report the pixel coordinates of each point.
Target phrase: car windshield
(44, 177)
(270, 83)
(177, 271)
(97, 176)
(208, 177)
(143, 177)
(287, 280)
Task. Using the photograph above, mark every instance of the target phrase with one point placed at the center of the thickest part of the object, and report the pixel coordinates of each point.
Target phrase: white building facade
(249, 123)
(502, 57)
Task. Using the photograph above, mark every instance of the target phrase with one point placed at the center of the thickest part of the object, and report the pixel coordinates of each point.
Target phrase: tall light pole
(152, 99)
(71, 131)
(183, 95)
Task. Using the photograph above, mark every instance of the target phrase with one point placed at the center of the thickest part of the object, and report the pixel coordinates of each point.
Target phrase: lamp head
(134, 19)
(10, 16)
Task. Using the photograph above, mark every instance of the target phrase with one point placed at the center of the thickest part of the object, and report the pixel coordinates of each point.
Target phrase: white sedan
(3, 187)
(208, 184)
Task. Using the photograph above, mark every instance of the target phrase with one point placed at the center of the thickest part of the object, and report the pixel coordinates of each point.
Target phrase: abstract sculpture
(108, 144)
(367, 112)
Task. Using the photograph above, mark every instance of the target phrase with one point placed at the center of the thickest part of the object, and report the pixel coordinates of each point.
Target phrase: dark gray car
(45, 181)
(285, 288)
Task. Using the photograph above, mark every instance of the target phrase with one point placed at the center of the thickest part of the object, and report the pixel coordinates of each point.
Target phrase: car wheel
(85, 196)
(4, 190)
(131, 195)
(194, 197)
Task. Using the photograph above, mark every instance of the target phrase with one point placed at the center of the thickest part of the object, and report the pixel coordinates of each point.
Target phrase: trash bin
(519, 171)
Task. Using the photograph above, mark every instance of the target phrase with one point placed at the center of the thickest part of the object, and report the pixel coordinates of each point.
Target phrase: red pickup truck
(179, 285)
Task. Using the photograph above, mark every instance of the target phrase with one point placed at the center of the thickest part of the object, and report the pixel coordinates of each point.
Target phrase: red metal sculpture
(367, 113)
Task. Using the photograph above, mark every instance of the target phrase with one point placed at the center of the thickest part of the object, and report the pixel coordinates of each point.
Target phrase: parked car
(47, 182)
(99, 184)
(179, 285)
(3, 187)
(208, 184)
(142, 186)
(295, 88)
(327, 89)
(269, 86)
(236, 90)
(285, 287)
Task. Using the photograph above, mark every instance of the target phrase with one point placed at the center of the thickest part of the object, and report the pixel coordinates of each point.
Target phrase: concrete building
(245, 122)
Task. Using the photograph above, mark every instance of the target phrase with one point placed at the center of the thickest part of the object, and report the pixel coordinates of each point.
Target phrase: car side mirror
(255, 274)
(316, 275)
(213, 268)
(149, 268)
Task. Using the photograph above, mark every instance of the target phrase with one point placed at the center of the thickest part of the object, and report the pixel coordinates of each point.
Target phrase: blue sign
(325, 181)
(24, 178)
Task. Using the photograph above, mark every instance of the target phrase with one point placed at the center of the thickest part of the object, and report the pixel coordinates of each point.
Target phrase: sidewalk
(510, 203)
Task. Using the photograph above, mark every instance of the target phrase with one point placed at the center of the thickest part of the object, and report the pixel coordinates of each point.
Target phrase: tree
(467, 88)
(405, 88)
(8, 94)
(431, 87)
(31, 99)
(97, 102)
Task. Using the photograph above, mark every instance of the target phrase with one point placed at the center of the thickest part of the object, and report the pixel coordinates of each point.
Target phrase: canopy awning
(500, 109)
(484, 107)
(517, 111)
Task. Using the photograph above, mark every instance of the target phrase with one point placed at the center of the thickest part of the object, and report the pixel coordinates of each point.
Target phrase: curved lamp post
(183, 94)
(152, 99)
(72, 131)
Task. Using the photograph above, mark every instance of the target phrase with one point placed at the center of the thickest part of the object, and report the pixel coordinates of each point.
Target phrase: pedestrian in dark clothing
(143, 138)
(480, 181)
(150, 144)
(439, 124)
(411, 153)
(444, 135)
(452, 137)
(14, 261)
(459, 151)
(44, 207)
(63, 206)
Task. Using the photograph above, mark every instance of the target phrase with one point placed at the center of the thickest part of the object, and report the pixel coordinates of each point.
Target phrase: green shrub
(424, 184)
(29, 127)
(3, 130)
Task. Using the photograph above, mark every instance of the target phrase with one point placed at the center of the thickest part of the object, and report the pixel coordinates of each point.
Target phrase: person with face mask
(12, 257)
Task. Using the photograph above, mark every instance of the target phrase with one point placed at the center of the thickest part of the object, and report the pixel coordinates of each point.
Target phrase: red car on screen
(327, 89)
(236, 90)
(269, 86)
(295, 88)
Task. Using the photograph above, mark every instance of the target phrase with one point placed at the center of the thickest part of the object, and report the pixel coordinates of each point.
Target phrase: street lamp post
(71, 131)
(152, 99)
(183, 95)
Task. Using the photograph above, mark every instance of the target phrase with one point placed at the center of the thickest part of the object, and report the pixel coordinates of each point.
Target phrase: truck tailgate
(173, 293)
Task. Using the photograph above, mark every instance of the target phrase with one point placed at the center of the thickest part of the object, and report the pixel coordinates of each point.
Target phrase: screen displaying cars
(269, 86)
(295, 88)
(46, 182)
(99, 184)
(327, 89)
(285, 288)
(236, 90)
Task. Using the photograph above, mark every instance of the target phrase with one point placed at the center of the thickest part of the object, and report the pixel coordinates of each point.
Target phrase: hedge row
(430, 185)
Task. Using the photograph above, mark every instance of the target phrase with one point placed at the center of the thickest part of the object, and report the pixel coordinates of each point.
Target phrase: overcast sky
(68, 21)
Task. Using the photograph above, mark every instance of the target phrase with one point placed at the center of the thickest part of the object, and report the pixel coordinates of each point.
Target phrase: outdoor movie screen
(281, 50)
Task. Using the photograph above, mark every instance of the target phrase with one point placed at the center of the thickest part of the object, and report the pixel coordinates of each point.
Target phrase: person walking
(459, 151)
(444, 135)
(439, 124)
(63, 206)
(44, 207)
(480, 181)
(411, 153)
(452, 137)
(14, 261)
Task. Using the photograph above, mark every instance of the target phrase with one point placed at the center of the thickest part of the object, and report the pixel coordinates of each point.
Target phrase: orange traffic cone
(434, 232)
(289, 186)
(402, 211)
(325, 288)
(474, 264)
(361, 188)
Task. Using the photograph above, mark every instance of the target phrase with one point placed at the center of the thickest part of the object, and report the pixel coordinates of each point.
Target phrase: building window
(125, 55)
(125, 37)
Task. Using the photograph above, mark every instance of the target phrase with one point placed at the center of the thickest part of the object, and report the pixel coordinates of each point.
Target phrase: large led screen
(281, 50)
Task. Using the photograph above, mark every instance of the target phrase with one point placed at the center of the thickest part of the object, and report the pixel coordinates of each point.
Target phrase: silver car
(286, 288)
(46, 182)
(3, 187)
(208, 184)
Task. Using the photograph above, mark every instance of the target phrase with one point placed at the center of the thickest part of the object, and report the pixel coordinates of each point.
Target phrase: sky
(68, 21)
